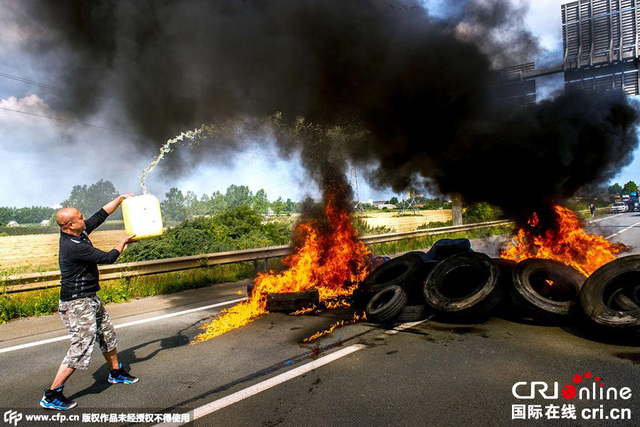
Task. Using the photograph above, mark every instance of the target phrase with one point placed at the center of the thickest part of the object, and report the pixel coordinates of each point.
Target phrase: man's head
(70, 221)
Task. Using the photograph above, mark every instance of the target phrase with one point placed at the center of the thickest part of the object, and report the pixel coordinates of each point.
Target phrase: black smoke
(409, 95)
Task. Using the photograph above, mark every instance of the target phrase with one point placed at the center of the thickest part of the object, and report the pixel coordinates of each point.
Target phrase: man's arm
(86, 252)
(113, 205)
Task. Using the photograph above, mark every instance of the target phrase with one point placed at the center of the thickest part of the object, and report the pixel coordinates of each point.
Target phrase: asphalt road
(429, 373)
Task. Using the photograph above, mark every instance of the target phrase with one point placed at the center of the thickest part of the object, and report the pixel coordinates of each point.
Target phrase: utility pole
(354, 185)
(456, 209)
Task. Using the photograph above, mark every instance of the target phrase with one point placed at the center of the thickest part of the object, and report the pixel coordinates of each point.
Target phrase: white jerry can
(142, 216)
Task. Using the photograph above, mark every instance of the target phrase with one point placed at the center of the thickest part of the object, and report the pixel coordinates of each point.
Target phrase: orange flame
(567, 243)
(339, 324)
(332, 261)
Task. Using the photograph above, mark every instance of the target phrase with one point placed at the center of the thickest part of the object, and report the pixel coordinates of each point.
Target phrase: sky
(38, 170)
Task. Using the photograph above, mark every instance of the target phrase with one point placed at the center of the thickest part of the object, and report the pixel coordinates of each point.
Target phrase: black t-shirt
(79, 261)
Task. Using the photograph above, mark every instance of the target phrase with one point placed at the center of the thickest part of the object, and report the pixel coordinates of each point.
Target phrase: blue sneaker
(120, 376)
(54, 399)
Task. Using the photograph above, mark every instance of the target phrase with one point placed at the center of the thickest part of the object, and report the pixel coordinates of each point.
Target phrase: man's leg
(64, 372)
(106, 335)
(112, 358)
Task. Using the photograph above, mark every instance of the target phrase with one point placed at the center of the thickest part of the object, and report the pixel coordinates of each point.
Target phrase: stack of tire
(453, 282)
(449, 279)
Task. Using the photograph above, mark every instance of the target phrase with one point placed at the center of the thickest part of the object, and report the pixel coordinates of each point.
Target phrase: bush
(481, 212)
(435, 224)
(233, 229)
(364, 229)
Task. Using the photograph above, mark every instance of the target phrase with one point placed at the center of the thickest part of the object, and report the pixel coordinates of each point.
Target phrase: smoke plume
(379, 83)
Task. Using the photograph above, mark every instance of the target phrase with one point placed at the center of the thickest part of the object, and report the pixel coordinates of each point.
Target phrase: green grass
(45, 301)
(406, 245)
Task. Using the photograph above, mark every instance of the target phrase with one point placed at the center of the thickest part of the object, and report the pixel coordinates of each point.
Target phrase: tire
(532, 296)
(463, 285)
(444, 248)
(506, 267)
(413, 313)
(386, 304)
(610, 296)
(288, 302)
(423, 255)
(404, 271)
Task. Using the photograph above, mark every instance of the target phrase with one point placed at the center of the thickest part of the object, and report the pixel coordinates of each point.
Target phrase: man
(80, 308)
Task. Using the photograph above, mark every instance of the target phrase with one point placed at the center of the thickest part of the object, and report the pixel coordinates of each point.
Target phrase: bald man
(80, 308)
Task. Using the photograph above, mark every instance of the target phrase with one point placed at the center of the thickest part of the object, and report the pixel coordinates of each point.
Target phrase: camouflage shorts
(86, 319)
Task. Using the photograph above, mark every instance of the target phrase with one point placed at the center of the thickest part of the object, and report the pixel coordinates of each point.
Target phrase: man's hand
(129, 239)
(113, 205)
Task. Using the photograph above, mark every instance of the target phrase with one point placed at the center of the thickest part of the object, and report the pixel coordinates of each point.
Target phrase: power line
(53, 88)
(66, 120)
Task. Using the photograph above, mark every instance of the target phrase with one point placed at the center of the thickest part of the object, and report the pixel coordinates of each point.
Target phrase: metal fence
(34, 281)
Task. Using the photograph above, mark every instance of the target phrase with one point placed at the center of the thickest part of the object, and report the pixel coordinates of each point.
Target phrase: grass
(406, 245)
(45, 302)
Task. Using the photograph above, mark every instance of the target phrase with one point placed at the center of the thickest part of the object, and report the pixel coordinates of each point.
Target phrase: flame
(340, 324)
(331, 260)
(549, 282)
(567, 243)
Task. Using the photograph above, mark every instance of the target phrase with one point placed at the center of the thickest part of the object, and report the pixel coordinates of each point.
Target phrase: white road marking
(623, 230)
(124, 325)
(238, 396)
(602, 219)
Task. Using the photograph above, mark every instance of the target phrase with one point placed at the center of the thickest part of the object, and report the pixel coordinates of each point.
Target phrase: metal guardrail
(48, 279)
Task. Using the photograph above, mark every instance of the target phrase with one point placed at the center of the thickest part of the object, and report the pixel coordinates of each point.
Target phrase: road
(429, 373)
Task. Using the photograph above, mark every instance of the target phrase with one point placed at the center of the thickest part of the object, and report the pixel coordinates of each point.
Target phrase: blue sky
(44, 158)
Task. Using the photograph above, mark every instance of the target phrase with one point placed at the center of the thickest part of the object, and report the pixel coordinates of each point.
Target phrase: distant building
(13, 224)
(377, 203)
(385, 205)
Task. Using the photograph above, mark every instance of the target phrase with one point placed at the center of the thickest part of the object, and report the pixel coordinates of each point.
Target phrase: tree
(238, 195)
(615, 189)
(217, 203)
(174, 207)
(629, 187)
(278, 206)
(260, 202)
(290, 206)
(89, 199)
(191, 203)
(393, 201)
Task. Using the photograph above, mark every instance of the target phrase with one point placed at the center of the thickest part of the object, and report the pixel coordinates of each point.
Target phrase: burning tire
(466, 284)
(386, 304)
(292, 301)
(405, 271)
(610, 297)
(545, 289)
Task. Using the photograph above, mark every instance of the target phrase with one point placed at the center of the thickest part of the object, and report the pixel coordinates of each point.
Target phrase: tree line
(176, 205)
(628, 188)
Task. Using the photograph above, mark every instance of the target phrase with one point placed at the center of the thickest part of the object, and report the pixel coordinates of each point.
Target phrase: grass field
(407, 222)
(39, 252)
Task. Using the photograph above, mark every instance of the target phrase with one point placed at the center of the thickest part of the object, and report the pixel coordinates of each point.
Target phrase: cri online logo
(569, 391)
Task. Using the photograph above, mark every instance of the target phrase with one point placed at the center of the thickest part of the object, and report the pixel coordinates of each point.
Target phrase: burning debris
(566, 241)
(330, 260)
